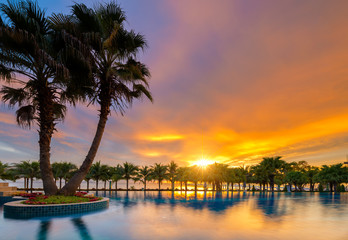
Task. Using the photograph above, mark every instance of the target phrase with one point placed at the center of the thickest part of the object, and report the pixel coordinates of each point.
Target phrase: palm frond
(14, 96)
(25, 116)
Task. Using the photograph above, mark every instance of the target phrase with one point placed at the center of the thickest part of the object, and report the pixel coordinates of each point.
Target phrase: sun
(203, 162)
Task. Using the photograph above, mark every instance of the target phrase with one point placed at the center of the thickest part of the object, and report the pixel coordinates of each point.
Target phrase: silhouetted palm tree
(129, 171)
(159, 173)
(172, 173)
(145, 175)
(27, 49)
(110, 51)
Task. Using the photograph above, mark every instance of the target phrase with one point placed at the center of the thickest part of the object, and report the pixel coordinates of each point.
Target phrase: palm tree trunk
(159, 185)
(173, 185)
(145, 185)
(181, 185)
(185, 185)
(96, 184)
(127, 184)
(87, 185)
(60, 183)
(195, 186)
(70, 188)
(46, 123)
(25, 183)
(116, 185)
(31, 184)
(104, 185)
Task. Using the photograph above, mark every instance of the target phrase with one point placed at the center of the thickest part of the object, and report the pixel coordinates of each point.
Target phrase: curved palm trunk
(75, 181)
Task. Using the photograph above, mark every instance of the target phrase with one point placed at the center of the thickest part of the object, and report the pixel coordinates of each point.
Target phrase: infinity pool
(154, 215)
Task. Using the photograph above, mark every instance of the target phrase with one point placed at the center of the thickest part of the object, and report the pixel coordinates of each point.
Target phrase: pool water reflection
(164, 215)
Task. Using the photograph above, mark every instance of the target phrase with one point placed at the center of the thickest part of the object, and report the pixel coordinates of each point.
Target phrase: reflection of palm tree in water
(44, 228)
(78, 223)
(82, 228)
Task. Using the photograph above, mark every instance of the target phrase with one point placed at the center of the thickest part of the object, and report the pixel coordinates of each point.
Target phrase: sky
(232, 81)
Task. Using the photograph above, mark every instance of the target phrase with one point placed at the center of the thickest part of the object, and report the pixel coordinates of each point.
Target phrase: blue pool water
(154, 215)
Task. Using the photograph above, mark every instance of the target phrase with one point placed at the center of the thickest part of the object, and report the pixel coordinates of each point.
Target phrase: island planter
(19, 210)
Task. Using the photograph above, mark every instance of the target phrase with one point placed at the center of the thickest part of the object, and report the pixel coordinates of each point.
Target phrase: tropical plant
(27, 49)
(3, 168)
(99, 171)
(272, 167)
(129, 172)
(117, 174)
(159, 173)
(145, 175)
(297, 178)
(333, 175)
(110, 51)
(172, 173)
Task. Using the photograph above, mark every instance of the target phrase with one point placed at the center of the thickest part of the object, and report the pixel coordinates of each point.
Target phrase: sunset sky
(232, 80)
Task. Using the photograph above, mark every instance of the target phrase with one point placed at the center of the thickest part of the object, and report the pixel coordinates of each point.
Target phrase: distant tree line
(271, 173)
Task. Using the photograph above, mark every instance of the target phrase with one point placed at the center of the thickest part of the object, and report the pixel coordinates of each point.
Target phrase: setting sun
(203, 162)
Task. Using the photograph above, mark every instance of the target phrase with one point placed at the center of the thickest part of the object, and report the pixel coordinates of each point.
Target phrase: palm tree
(88, 177)
(195, 175)
(27, 49)
(159, 173)
(117, 174)
(129, 171)
(98, 172)
(3, 168)
(67, 169)
(231, 177)
(219, 173)
(106, 176)
(183, 174)
(273, 166)
(145, 175)
(33, 172)
(172, 173)
(111, 52)
(333, 175)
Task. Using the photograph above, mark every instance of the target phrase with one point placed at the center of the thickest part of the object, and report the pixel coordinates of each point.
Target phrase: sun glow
(203, 162)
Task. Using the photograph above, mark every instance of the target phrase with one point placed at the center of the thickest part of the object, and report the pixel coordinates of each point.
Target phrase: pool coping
(18, 210)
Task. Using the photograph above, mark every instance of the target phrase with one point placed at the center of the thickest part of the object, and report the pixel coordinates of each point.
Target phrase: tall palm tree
(27, 49)
(117, 174)
(172, 173)
(111, 51)
(159, 173)
(129, 171)
(145, 175)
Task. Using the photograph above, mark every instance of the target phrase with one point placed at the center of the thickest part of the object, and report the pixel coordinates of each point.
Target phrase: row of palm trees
(87, 56)
(269, 172)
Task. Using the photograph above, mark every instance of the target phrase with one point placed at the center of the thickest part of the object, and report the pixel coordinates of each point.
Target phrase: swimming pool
(163, 215)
